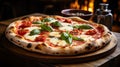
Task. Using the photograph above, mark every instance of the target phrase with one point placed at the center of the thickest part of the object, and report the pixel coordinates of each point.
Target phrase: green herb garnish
(67, 37)
(83, 27)
(37, 22)
(47, 19)
(46, 27)
(57, 23)
(77, 38)
(34, 32)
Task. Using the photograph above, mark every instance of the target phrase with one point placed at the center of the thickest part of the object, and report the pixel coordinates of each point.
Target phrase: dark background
(15, 8)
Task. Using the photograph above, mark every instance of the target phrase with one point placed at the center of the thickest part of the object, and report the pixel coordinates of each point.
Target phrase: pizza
(57, 35)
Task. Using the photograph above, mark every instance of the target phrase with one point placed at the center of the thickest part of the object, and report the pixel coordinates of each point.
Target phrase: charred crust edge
(88, 47)
(29, 45)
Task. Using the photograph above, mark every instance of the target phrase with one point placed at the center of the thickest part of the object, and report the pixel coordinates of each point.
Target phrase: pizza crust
(45, 48)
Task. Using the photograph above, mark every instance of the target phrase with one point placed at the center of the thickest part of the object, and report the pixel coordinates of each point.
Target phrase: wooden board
(59, 59)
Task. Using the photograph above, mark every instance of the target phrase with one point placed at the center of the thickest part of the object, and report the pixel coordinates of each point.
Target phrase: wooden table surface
(8, 59)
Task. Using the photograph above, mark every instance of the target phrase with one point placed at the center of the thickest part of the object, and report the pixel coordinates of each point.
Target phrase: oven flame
(88, 5)
(75, 5)
(91, 6)
(104, 1)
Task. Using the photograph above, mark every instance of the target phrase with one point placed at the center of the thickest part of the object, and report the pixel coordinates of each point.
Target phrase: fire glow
(87, 6)
(75, 5)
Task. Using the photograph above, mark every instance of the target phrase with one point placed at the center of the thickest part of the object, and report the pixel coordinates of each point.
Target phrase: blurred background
(15, 8)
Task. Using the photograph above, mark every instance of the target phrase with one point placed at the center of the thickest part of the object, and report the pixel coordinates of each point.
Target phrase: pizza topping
(54, 40)
(64, 19)
(77, 38)
(45, 27)
(62, 43)
(60, 19)
(90, 32)
(67, 37)
(76, 32)
(25, 24)
(100, 29)
(48, 20)
(66, 28)
(22, 31)
(34, 32)
(54, 34)
(68, 20)
(56, 24)
(83, 27)
(37, 22)
(40, 38)
(30, 38)
(57, 42)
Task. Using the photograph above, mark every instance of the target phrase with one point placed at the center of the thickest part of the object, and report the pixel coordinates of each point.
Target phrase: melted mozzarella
(32, 38)
(54, 40)
(27, 35)
(55, 34)
(32, 28)
(66, 28)
(58, 42)
(66, 24)
(53, 20)
(62, 43)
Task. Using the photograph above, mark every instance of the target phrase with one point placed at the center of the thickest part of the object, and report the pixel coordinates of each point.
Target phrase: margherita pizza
(57, 35)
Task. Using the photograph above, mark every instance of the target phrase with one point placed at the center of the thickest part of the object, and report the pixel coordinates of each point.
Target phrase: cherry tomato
(40, 38)
(76, 32)
(22, 32)
(64, 19)
(25, 24)
(61, 19)
(68, 20)
(91, 32)
(100, 29)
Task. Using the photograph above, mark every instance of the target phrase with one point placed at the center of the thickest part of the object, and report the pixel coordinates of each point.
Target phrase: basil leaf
(47, 19)
(83, 27)
(67, 37)
(46, 28)
(34, 32)
(69, 40)
(79, 39)
(57, 23)
(64, 35)
(37, 22)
